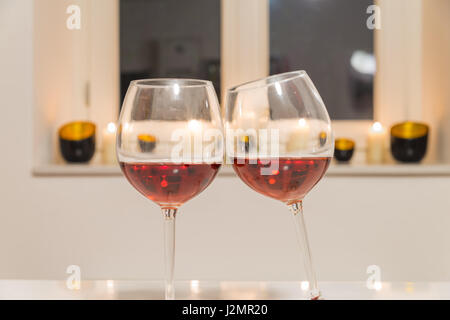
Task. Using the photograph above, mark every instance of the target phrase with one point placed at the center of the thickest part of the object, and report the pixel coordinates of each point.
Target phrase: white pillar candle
(376, 144)
(195, 129)
(248, 120)
(299, 138)
(109, 144)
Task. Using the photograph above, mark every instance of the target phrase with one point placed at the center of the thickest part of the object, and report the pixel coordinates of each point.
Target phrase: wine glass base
(316, 295)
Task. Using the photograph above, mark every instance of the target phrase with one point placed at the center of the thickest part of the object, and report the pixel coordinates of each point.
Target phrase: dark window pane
(321, 37)
(169, 39)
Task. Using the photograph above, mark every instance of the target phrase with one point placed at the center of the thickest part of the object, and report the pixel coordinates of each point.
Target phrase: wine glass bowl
(288, 143)
(169, 139)
(169, 146)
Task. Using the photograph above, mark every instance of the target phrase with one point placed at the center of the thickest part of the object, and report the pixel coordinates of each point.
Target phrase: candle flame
(111, 127)
(195, 125)
(377, 127)
(302, 122)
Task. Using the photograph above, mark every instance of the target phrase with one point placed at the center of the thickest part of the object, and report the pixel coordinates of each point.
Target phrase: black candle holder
(246, 143)
(147, 142)
(409, 141)
(343, 149)
(322, 138)
(77, 141)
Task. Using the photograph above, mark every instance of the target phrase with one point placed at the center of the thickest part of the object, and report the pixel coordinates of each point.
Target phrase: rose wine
(287, 180)
(168, 184)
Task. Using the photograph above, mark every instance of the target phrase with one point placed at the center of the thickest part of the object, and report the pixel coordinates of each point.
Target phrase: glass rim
(168, 82)
(261, 82)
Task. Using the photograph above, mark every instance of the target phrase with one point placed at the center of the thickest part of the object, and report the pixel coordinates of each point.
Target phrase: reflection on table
(194, 289)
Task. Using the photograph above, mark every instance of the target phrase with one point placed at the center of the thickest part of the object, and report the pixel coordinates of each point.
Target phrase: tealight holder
(77, 141)
(409, 141)
(246, 144)
(147, 142)
(322, 138)
(343, 149)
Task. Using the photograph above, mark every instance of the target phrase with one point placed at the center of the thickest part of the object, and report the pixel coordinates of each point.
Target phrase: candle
(376, 144)
(248, 120)
(109, 144)
(195, 129)
(298, 140)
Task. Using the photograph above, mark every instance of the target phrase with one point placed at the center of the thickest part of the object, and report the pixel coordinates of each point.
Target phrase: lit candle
(109, 144)
(195, 128)
(298, 140)
(376, 143)
(248, 120)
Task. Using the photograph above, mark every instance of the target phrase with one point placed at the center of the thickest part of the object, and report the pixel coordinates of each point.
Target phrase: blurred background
(381, 62)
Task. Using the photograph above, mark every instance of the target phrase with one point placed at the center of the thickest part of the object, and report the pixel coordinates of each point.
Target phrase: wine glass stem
(169, 250)
(302, 237)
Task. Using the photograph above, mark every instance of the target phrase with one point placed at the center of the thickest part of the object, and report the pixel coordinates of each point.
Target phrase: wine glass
(170, 147)
(280, 142)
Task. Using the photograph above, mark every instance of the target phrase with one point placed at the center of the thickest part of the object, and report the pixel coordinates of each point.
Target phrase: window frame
(240, 19)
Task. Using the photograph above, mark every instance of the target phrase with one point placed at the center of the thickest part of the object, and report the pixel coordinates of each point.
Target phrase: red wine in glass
(169, 184)
(289, 180)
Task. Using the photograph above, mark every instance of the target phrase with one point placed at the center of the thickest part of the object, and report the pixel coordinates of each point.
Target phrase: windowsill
(48, 170)
(335, 170)
(394, 169)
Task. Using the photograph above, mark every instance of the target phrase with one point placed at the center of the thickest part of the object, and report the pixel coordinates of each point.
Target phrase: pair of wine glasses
(172, 140)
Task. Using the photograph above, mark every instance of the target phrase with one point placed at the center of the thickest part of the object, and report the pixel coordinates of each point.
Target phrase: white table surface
(112, 289)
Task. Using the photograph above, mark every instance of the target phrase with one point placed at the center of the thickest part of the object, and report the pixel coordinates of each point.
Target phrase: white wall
(228, 232)
(76, 72)
(413, 83)
(436, 70)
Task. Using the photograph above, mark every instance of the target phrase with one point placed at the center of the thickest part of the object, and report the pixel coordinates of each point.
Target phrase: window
(169, 39)
(77, 72)
(330, 40)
